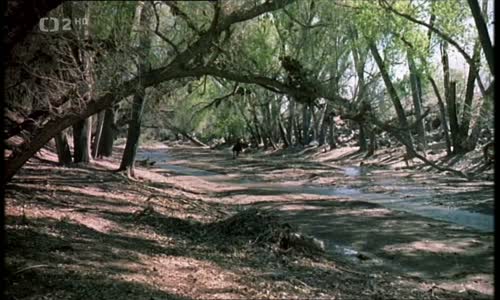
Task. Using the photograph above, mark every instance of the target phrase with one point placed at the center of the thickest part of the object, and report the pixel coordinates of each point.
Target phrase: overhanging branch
(272, 84)
(175, 70)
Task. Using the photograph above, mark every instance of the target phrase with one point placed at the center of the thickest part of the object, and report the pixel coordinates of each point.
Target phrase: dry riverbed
(85, 232)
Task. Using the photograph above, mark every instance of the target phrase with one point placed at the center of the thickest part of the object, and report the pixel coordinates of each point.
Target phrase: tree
(134, 126)
(303, 53)
(482, 30)
(403, 122)
(82, 129)
(109, 131)
(182, 65)
(62, 148)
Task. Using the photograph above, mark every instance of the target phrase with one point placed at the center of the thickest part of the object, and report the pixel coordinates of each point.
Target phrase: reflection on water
(477, 221)
(416, 205)
(397, 198)
(345, 250)
(354, 171)
(185, 170)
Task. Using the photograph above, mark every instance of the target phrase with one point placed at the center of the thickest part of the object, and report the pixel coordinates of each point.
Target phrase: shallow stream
(402, 194)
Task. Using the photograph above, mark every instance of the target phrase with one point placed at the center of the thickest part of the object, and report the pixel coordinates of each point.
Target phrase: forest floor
(225, 228)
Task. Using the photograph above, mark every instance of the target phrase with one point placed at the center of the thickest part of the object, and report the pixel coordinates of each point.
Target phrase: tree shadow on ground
(70, 176)
(275, 267)
(429, 248)
(480, 201)
(61, 284)
(454, 256)
(72, 261)
(348, 156)
(55, 198)
(79, 254)
(89, 248)
(84, 255)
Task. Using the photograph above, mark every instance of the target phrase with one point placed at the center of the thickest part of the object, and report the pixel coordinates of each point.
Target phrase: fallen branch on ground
(30, 268)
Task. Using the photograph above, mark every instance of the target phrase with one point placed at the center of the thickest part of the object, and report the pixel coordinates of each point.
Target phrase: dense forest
(139, 105)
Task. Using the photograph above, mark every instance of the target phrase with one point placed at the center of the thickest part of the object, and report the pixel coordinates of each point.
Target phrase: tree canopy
(274, 71)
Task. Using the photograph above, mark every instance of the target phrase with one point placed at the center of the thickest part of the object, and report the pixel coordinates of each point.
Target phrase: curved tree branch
(273, 85)
(161, 35)
(175, 70)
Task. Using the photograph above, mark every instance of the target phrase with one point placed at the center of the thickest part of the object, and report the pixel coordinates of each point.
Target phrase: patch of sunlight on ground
(433, 246)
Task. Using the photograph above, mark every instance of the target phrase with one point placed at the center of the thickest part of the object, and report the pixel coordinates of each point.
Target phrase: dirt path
(89, 233)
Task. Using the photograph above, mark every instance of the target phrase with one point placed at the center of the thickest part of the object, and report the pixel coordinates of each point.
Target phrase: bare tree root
(125, 173)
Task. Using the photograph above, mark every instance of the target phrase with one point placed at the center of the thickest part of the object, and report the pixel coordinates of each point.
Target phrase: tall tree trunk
(452, 113)
(242, 108)
(62, 147)
(81, 140)
(82, 130)
(331, 132)
(263, 126)
(472, 139)
(450, 98)
(133, 133)
(469, 96)
(109, 131)
(275, 119)
(267, 125)
(372, 146)
(442, 113)
(265, 137)
(362, 137)
(298, 132)
(359, 57)
(321, 127)
(134, 127)
(284, 135)
(322, 132)
(256, 123)
(476, 128)
(416, 91)
(272, 143)
(306, 123)
(98, 133)
(326, 120)
(291, 120)
(315, 123)
(405, 134)
(482, 30)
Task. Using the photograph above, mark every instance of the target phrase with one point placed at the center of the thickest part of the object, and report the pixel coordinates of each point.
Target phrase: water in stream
(403, 196)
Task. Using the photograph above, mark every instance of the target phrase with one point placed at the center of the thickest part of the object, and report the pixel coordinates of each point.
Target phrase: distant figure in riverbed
(238, 147)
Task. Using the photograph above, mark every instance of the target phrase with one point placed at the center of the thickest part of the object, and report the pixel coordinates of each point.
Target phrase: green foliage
(229, 124)
(451, 16)
(118, 21)
(320, 35)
